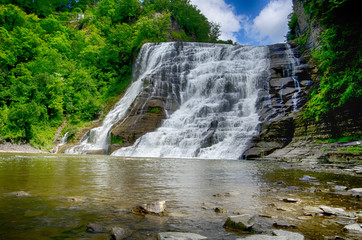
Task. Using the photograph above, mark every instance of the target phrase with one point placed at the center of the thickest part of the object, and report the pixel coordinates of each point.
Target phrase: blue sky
(250, 22)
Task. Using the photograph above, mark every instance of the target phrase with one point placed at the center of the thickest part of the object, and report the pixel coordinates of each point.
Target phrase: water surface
(67, 192)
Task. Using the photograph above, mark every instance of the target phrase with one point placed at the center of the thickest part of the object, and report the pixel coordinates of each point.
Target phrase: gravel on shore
(18, 148)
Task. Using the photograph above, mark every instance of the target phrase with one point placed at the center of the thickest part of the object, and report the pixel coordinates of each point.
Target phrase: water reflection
(67, 192)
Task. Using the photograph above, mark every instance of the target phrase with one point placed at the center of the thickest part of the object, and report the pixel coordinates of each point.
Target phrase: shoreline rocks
(18, 148)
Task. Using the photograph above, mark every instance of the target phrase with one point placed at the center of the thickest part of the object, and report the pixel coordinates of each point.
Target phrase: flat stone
(312, 211)
(357, 192)
(21, 194)
(340, 188)
(180, 236)
(290, 200)
(307, 178)
(263, 237)
(334, 211)
(282, 224)
(353, 228)
(241, 222)
(118, 233)
(288, 235)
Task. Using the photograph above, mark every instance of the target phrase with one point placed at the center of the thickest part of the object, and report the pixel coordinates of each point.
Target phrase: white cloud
(271, 25)
(224, 14)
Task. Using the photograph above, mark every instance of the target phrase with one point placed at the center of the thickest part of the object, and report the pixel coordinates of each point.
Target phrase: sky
(249, 22)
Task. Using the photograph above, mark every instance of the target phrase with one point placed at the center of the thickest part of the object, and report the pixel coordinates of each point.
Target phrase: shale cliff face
(289, 84)
(291, 137)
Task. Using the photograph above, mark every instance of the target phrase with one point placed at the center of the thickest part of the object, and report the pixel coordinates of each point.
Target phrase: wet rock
(262, 237)
(288, 235)
(118, 233)
(357, 169)
(353, 228)
(357, 192)
(74, 199)
(290, 200)
(312, 211)
(217, 195)
(340, 188)
(97, 228)
(220, 210)
(307, 178)
(282, 224)
(241, 222)
(157, 208)
(21, 194)
(359, 217)
(180, 236)
(334, 211)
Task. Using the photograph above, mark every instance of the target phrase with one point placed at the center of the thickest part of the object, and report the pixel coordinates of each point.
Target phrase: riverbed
(56, 196)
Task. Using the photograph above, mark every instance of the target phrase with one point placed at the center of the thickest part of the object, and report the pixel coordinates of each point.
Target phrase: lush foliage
(65, 60)
(339, 58)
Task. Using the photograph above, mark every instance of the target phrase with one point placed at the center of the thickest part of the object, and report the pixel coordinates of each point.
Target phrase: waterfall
(217, 115)
(293, 63)
(97, 140)
(63, 141)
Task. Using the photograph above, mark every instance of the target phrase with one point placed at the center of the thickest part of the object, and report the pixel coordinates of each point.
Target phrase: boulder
(288, 235)
(241, 222)
(180, 236)
(157, 208)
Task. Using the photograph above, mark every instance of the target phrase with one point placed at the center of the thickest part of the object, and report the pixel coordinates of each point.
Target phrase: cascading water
(217, 114)
(294, 62)
(97, 139)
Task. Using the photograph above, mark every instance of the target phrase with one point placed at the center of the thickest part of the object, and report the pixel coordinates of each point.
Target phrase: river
(66, 192)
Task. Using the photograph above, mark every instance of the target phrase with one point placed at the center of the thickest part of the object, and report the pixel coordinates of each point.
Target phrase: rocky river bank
(18, 148)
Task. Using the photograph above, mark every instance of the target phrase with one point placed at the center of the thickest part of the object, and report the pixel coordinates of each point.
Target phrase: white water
(293, 62)
(97, 139)
(63, 141)
(217, 114)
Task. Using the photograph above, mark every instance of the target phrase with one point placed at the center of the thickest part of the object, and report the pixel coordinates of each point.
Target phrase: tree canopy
(66, 59)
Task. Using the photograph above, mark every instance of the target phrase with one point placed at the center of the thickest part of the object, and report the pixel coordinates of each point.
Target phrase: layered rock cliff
(291, 136)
